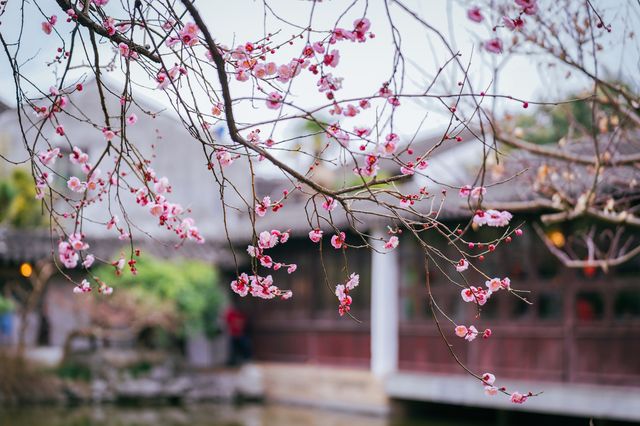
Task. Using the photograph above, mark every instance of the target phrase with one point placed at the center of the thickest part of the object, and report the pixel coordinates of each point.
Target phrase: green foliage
(6, 305)
(140, 368)
(18, 205)
(190, 287)
(549, 124)
(74, 371)
(354, 180)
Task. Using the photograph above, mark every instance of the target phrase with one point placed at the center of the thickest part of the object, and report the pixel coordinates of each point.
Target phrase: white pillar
(384, 306)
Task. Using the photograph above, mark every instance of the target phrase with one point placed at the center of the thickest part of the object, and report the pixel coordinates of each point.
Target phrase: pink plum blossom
(76, 242)
(461, 331)
(472, 333)
(513, 24)
(75, 184)
(132, 119)
(88, 261)
(492, 218)
(274, 100)
(189, 34)
(478, 191)
(494, 45)
(315, 235)
(353, 281)
(267, 240)
(474, 14)
(490, 390)
(332, 59)
(518, 398)
(494, 284)
(47, 26)
(263, 206)
(329, 204)
(108, 134)
(342, 293)
(407, 170)
(337, 241)
(465, 191)
(241, 285)
(224, 157)
(83, 287)
(49, 157)
(77, 156)
(462, 265)
(390, 145)
(392, 243)
(488, 378)
(530, 7)
(475, 294)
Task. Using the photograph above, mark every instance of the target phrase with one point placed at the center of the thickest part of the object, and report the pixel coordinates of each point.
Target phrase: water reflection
(196, 415)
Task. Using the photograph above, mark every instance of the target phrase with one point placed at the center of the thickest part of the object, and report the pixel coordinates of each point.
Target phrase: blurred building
(163, 140)
(577, 342)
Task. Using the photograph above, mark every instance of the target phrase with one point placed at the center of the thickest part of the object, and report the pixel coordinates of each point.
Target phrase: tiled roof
(34, 245)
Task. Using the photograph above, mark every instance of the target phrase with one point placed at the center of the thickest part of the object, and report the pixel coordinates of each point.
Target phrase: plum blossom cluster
(267, 240)
(257, 285)
(470, 333)
(371, 167)
(516, 23)
(187, 35)
(408, 200)
(488, 382)
(494, 218)
(69, 252)
(249, 60)
(475, 193)
(342, 293)
(85, 287)
(462, 265)
(109, 23)
(169, 214)
(165, 77)
(480, 296)
(392, 243)
(263, 206)
(338, 240)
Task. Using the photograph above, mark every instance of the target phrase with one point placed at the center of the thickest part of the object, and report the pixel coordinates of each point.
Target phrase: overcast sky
(363, 66)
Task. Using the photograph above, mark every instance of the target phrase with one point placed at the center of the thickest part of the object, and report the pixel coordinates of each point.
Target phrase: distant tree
(18, 205)
(184, 296)
(573, 120)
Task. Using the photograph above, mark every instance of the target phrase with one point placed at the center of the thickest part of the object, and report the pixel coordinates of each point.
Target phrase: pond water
(415, 414)
(198, 415)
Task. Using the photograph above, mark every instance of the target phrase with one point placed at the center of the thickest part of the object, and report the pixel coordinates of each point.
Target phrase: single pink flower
(461, 331)
(392, 243)
(274, 100)
(315, 235)
(132, 119)
(337, 241)
(474, 14)
(494, 45)
(462, 265)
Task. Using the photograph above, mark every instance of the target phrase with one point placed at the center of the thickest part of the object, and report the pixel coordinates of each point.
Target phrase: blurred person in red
(236, 324)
